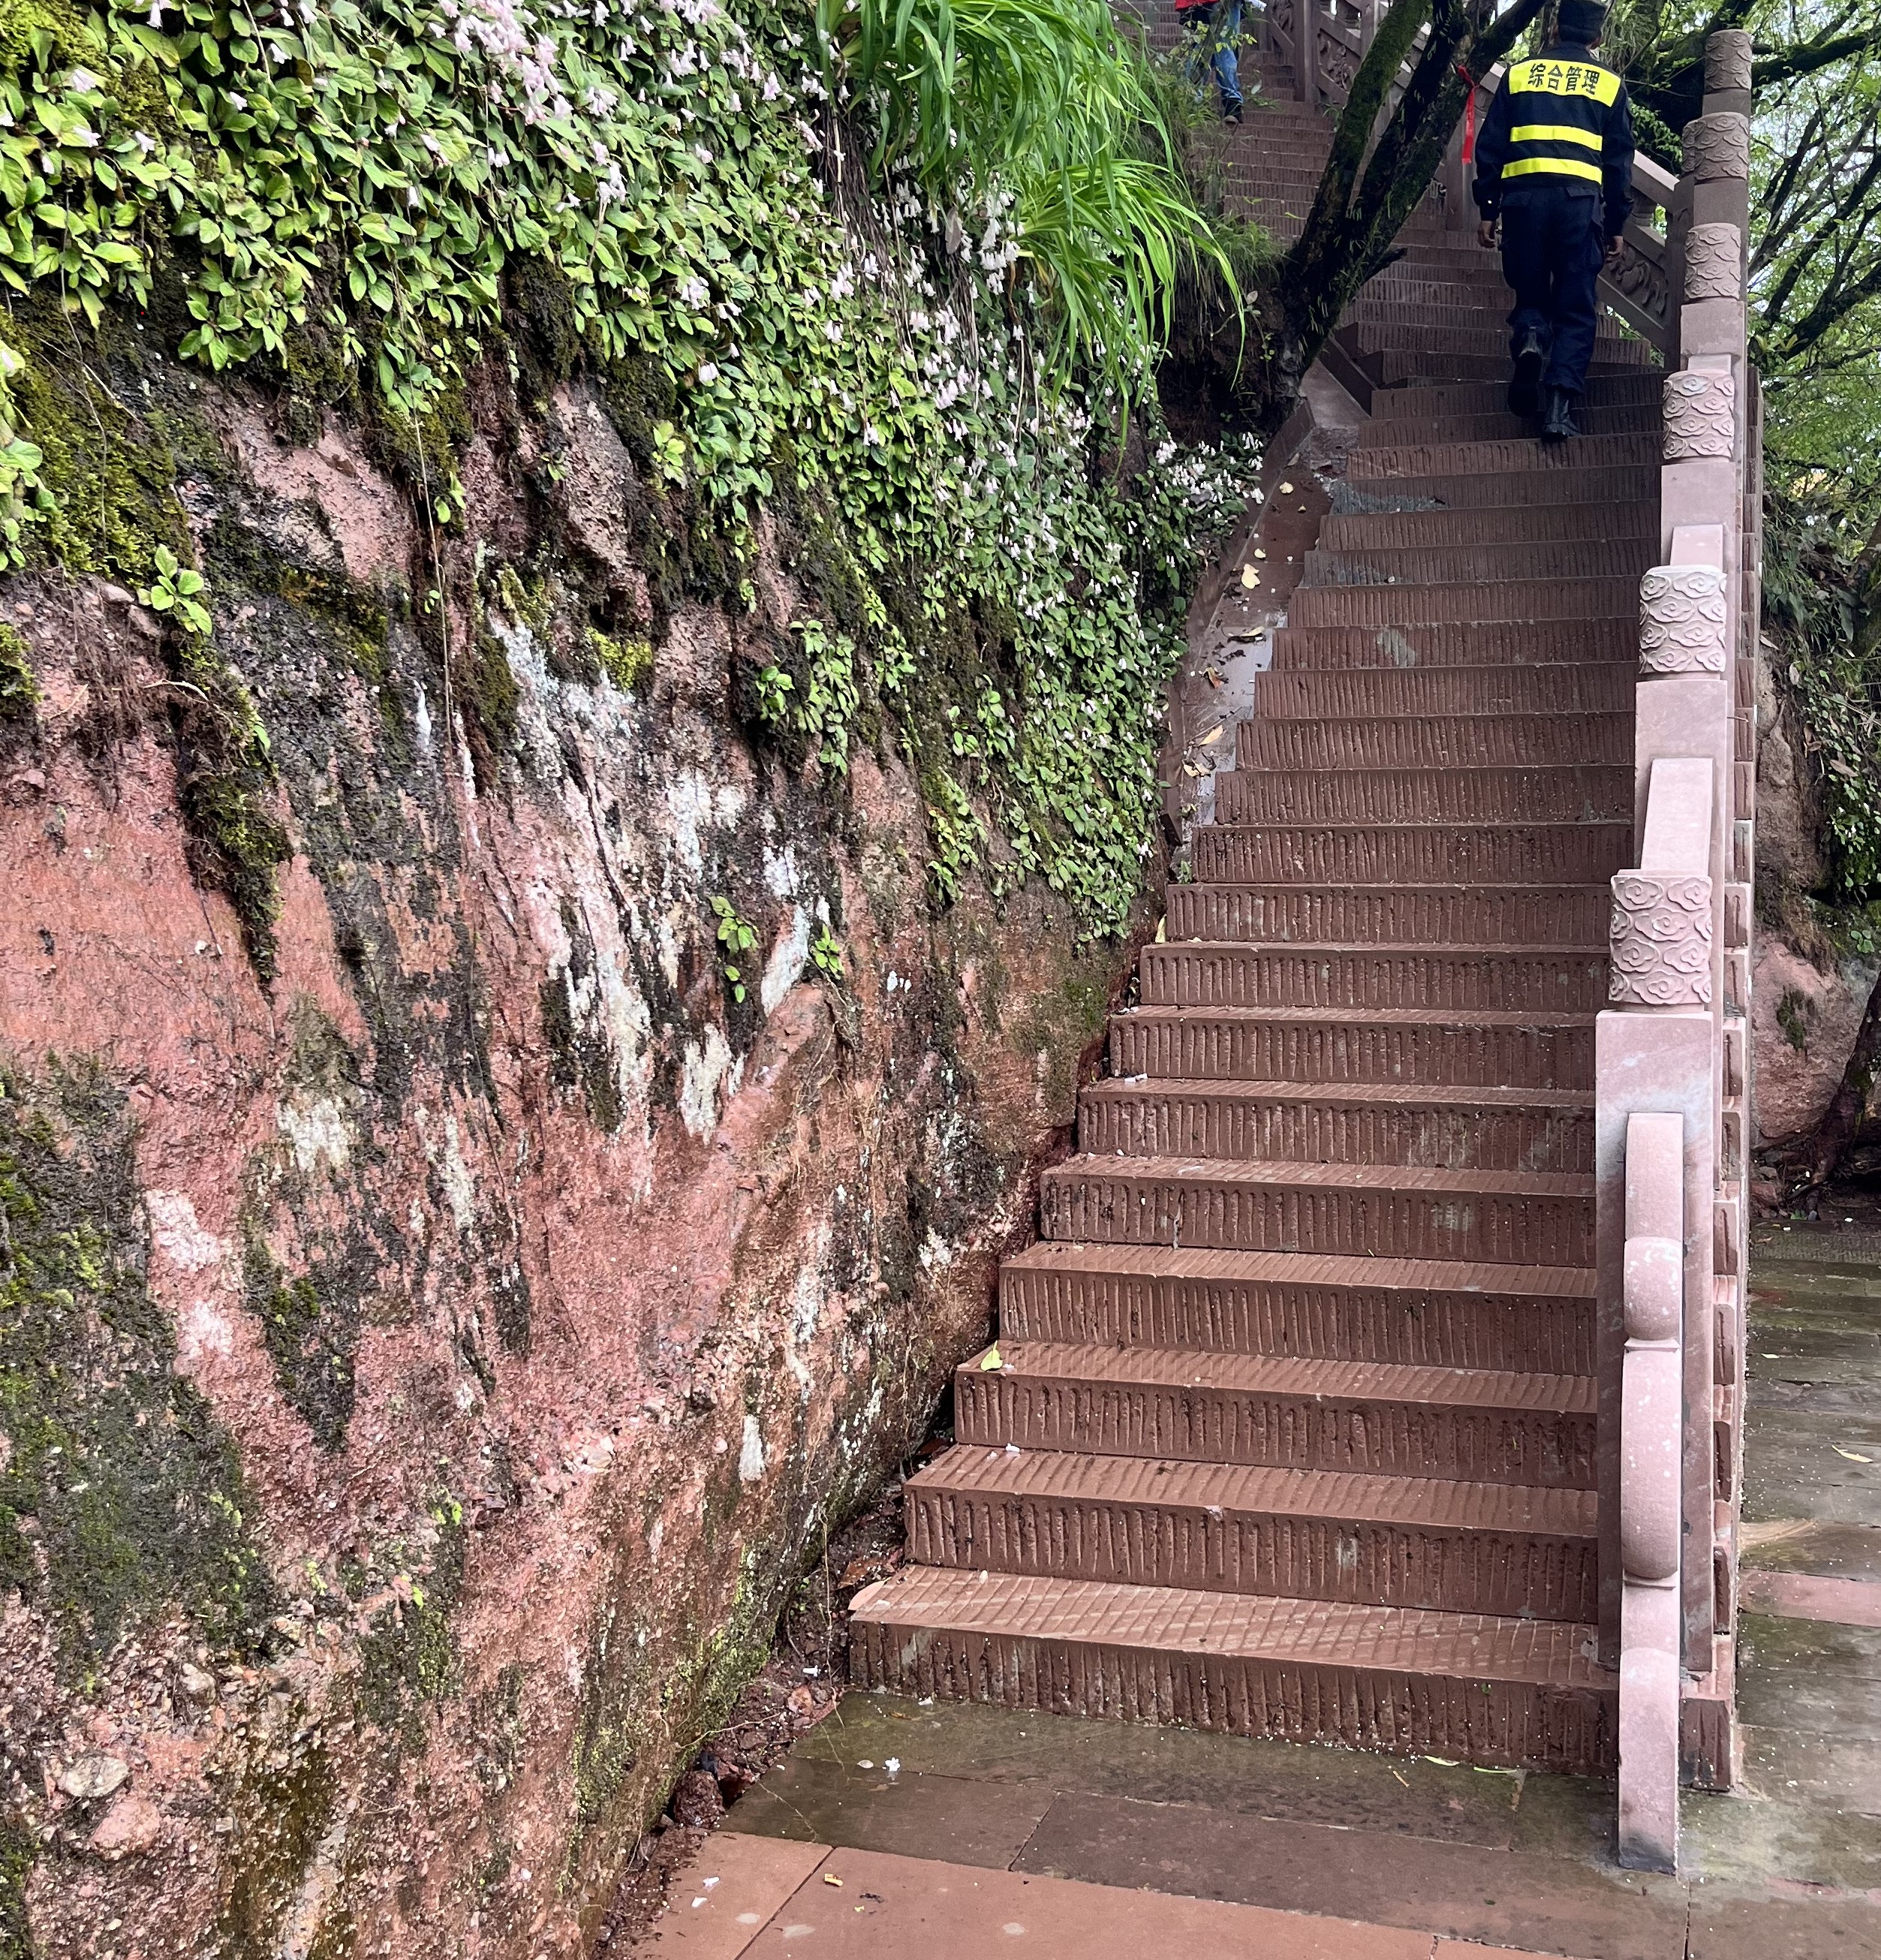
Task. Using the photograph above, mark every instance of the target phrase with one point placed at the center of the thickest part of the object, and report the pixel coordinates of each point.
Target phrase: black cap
(1581, 21)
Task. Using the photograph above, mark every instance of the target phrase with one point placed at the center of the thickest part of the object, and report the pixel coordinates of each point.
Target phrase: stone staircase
(1289, 1430)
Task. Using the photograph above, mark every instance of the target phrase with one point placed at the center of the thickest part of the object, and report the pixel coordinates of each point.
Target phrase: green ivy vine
(371, 174)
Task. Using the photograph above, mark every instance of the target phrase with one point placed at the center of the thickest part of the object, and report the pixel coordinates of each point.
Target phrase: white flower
(238, 102)
(83, 81)
(708, 373)
(694, 292)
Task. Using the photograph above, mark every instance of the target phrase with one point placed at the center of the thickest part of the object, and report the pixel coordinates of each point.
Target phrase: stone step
(1484, 398)
(1453, 350)
(1221, 973)
(1487, 564)
(1229, 1528)
(1533, 1319)
(1436, 644)
(1473, 1425)
(1373, 308)
(1533, 793)
(1370, 853)
(1394, 367)
(1596, 687)
(1435, 741)
(1640, 419)
(1506, 1692)
(1392, 915)
(1426, 458)
(1514, 598)
(1635, 525)
(1391, 1212)
(1499, 489)
(1487, 1048)
(1368, 1123)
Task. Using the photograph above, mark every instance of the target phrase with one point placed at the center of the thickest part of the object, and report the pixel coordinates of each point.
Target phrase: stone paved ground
(951, 1826)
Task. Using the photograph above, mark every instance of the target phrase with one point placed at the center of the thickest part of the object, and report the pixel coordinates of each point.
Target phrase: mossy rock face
(121, 1495)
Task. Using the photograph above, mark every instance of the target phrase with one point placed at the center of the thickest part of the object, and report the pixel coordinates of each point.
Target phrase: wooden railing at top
(1672, 1064)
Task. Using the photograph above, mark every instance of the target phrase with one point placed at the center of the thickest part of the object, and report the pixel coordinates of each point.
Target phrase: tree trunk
(1811, 1164)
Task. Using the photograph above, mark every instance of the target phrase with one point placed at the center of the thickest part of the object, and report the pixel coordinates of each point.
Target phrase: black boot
(1558, 418)
(1525, 384)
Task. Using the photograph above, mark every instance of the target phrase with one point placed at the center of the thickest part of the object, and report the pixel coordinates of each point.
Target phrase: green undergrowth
(1824, 615)
(363, 204)
(121, 1494)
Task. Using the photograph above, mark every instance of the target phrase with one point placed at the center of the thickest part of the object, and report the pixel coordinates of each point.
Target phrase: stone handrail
(1671, 1053)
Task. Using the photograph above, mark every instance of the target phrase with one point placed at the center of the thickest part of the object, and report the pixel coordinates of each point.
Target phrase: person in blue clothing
(1555, 165)
(1211, 30)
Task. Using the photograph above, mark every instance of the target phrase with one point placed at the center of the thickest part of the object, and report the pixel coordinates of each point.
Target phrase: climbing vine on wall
(371, 172)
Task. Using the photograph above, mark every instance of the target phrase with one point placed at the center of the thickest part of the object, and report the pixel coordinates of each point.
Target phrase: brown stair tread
(1374, 1094)
(1320, 1269)
(1347, 1495)
(1397, 1384)
(1335, 1177)
(1418, 1640)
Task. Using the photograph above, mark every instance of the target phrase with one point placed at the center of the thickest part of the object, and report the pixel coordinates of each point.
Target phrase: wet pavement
(1788, 1864)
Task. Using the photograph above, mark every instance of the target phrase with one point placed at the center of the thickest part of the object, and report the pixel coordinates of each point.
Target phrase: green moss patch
(121, 1495)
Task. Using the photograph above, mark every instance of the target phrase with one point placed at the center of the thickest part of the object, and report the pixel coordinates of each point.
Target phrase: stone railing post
(1675, 1043)
(1651, 1420)
(1655, 1073)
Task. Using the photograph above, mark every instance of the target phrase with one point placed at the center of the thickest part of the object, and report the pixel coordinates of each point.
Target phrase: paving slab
(1811, 1545)
(1412, 1797)
(1852, 1602)
(1800, 1929)
(921, 1909)
(720, 1902)
(905, 1812)
(1552, 1905)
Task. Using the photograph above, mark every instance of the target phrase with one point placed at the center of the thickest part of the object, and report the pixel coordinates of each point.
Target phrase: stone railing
(1672, 1052)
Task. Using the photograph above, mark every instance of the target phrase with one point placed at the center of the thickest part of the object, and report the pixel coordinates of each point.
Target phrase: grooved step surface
(1513, 599)
(1502, 1691)
(1404, 742)
(1484, 564)
(1571, 853)
(1590, 688)
(1202, 973)
(1507, 915)
(1381, 1417)
(1521, 524)
(1397, 1541)
(1392, 1045)
(1448, 1129)
(1502, 1217)
(1476, 489)
(1538, 792)
(1468, 643)
(1532, 1319)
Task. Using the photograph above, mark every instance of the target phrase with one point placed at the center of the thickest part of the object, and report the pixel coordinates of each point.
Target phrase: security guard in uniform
(1555, 163)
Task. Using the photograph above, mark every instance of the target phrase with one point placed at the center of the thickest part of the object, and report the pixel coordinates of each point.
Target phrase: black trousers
(1553, 241)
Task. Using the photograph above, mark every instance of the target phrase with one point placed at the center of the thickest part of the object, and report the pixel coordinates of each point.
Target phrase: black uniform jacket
(1561, 119)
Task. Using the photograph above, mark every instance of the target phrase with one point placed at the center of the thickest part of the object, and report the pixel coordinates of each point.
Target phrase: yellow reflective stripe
(1564, 167)
(1586, 79)
(1553, 132)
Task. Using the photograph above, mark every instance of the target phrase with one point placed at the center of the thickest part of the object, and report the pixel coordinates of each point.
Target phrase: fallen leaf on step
(1213, 735)
(991, 1358)
(1854, 1455)
(830, 1878)
(1162, 936)
(1286, 489)
(1249, 577)
(1258, 552)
